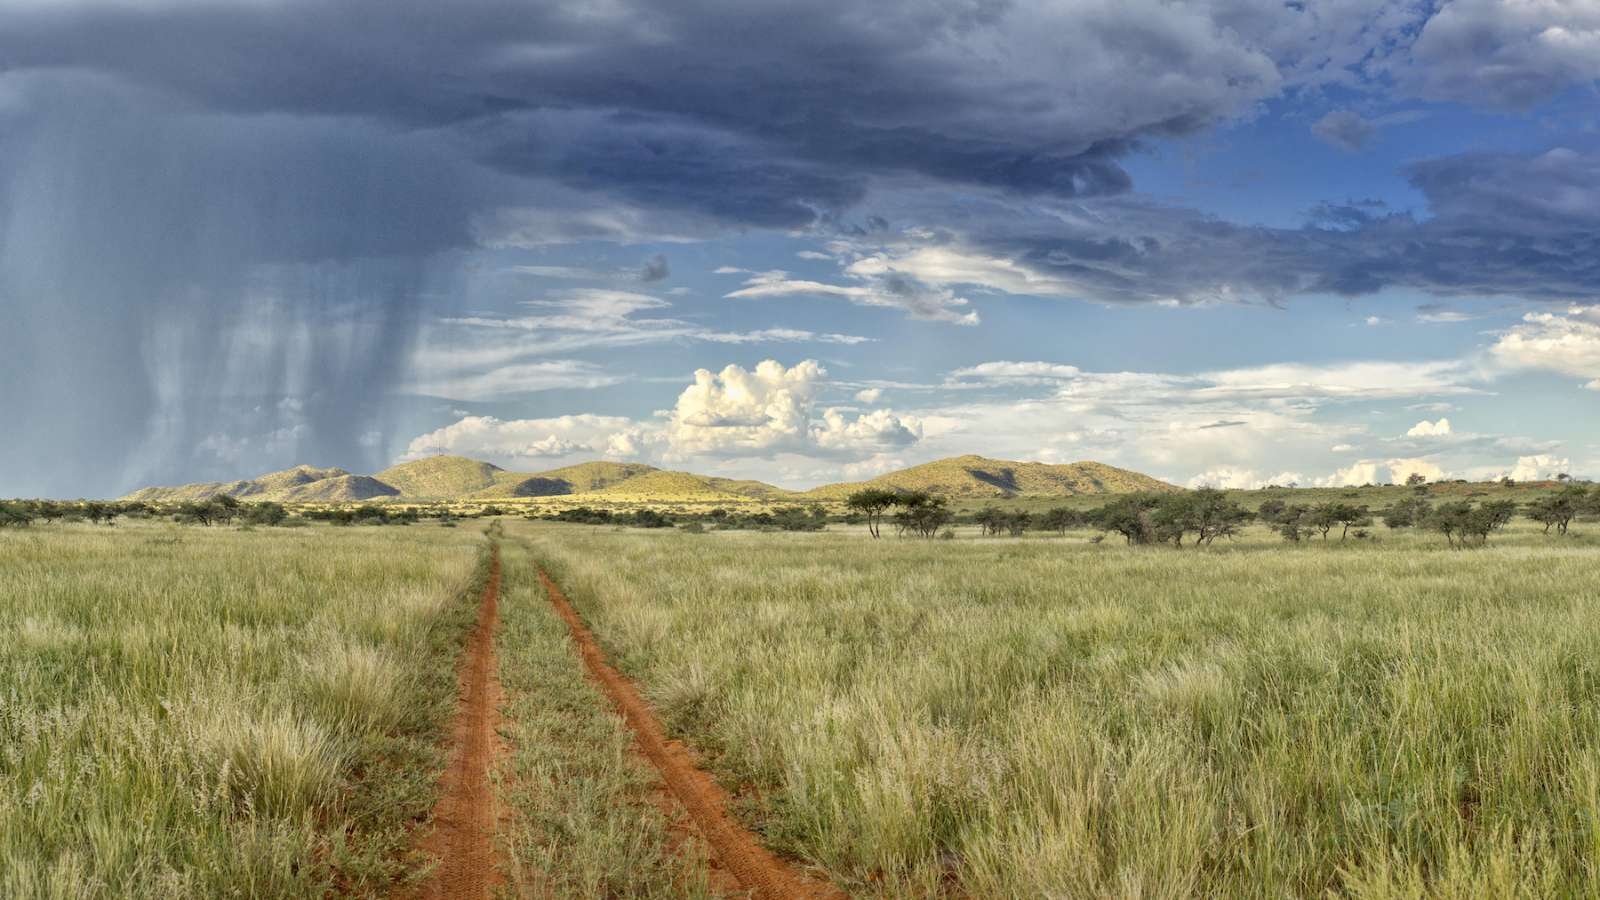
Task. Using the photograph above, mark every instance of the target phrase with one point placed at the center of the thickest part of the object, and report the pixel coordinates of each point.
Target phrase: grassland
(193, 712)
(1045, 717)
(199, 712)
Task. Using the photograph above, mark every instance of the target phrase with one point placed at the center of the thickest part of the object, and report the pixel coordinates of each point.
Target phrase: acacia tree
(1289, 521)
(266, 513)
(1269, 510)
(47, 510)
(1461, 523)
(921, 514)
(1407, 513)
(1347, 515)
(19, 515)
(225, 507)
(98, 512)
(1059, 519)
(1558, 510)
(1321, 518)
(1210, 515)
(1206, 513)
(1499, 513)
(1129, 516)
(872, 503)
(191, 511)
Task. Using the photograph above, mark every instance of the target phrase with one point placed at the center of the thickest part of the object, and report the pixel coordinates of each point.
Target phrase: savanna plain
(264, 712)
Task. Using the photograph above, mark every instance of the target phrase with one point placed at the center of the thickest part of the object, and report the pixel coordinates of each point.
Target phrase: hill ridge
(971, 476)
(447, 477)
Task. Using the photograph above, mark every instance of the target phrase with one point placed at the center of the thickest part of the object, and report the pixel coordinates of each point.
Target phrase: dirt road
(758, 870)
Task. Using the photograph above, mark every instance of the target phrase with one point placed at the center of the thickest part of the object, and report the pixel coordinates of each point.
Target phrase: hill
(660, 486)
(271, 486)
(594, 476)
(978, 477)
(339, 489)
(460, 478)
(442, 477)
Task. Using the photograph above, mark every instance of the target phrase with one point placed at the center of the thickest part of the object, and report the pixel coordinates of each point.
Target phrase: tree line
(1198, 518)
(220, 509)
(1188, 518)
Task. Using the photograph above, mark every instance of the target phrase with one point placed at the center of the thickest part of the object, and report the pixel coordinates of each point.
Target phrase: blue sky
(1229, 242)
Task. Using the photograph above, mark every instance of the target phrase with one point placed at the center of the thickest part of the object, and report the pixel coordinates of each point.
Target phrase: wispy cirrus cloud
(516, 378)
(889, 289)
(483, 356)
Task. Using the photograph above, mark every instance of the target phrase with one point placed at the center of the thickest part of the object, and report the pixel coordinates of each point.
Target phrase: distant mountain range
(459, 478)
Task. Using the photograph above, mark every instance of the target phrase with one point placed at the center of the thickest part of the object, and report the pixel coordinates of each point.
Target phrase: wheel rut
(759, 871)
(465, 815)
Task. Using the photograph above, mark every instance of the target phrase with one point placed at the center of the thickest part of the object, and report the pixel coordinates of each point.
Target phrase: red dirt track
(758, 870)
(464, 818)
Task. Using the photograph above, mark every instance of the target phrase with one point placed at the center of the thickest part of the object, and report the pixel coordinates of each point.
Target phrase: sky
(1223, 242)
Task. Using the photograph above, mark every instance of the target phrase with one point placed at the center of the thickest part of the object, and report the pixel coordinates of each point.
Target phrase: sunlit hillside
(967, 477)
(460, 478)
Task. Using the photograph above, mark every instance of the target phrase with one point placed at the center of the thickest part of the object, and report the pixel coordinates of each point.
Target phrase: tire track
(464, 817)
(758, 870)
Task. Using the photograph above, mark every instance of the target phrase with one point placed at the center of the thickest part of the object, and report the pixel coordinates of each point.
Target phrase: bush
(15, 515)
(265, 514)
(585, 515)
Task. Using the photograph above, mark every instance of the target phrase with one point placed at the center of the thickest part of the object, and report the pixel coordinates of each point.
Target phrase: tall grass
(210, 712)
(1046, 718)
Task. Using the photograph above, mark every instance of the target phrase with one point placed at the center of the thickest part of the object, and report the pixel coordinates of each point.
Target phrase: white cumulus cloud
(1240, 479)
(876, 430)
(771, 408)
(1392, 471)
(1429, 429)
(1539, 467)
(738, 409)
(1567, 343)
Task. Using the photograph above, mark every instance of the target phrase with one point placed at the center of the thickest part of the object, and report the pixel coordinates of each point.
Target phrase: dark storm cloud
(1497, 225)
(1503, 55)
(604, 95)
(146, 309)
(221, 218)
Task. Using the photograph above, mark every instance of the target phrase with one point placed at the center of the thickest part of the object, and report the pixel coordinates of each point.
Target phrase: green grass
(1032, 718)
(587, 814)
(192, 712)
